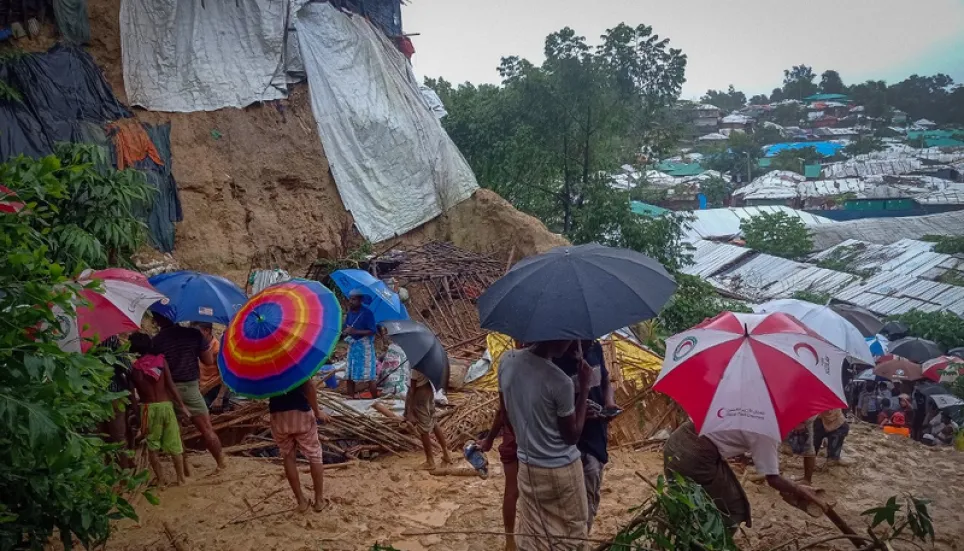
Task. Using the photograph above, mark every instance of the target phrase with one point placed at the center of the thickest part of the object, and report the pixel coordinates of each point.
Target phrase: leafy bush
(916, 519)
(946, 244)
(778, 234)
(53, 473)
(810, 296)
(84, 208)
(694, 301)
(942, 327)
(682, 516)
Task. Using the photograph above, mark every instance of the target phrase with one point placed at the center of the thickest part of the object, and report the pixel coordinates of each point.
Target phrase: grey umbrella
(581, 292)
(915, 349)
(864, 320)
(894, 330)
(957, 352)
(423, 351)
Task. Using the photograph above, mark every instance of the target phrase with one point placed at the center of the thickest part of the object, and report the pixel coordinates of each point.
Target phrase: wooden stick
(508, 263)
(841, 524)
(170, 536)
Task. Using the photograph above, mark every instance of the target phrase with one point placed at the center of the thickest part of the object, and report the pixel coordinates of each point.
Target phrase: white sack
(394, 165)
(202, 55)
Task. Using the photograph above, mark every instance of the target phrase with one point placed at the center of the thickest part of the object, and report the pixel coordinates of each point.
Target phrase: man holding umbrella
(184, 347)
(549, 300)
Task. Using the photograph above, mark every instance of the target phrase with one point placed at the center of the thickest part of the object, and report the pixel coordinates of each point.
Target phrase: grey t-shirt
(537, 393)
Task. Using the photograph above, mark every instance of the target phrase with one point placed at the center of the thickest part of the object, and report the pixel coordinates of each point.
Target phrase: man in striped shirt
(183, 348)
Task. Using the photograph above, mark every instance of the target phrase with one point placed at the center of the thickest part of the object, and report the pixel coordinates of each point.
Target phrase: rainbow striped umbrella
(280, 338)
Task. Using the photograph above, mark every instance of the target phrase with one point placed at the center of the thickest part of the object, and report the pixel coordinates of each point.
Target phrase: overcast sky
(747, 43)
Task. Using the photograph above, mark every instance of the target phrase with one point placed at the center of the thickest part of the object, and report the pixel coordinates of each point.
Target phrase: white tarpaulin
(393, 163)
(202, 55)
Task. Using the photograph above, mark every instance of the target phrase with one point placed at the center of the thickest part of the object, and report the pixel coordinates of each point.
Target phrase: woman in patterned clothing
(359, 332)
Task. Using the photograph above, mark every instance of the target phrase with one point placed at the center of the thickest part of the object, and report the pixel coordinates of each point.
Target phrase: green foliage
(694, 301)
(863, 145)
(915, 518)
(943, 327)
(811, 296)
(759, 99)
(740, 157)
(778, 234)
(841, 259)
(728, 101)
(715, 190)
(85, 209)
(798, 82)
(548, 136)
(794, 160)
(831, 83)
(788, 114)
(53, 473)
(946, 244)
(682, 516)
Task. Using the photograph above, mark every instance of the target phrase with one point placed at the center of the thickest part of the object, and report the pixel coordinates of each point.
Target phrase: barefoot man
(152, 378)
(183, 347)
(420, 412)
(294, 429)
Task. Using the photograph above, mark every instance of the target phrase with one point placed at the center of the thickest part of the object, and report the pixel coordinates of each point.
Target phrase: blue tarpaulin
(827, 149)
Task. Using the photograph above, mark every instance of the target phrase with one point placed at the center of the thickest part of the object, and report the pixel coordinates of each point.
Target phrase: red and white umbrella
(117, 306)
(944, 369)
(760, 373)
(7, 203)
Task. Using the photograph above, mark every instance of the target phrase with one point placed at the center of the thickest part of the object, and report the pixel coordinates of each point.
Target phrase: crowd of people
(899, 408)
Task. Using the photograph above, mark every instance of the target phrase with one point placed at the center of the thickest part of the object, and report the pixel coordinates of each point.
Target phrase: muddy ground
(388, 500)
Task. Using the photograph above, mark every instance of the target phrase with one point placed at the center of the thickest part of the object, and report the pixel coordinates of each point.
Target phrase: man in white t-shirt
(702, 459)
(547, 418)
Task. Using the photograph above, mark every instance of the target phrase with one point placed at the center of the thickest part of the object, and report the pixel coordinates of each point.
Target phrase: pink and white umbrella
(944, 369)
(116, 307)
(760, 373)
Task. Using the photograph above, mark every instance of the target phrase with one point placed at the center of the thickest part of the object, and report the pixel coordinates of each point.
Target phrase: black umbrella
(581, 292)
(915, 349)
(864, 320)
(956, 352)
(423, 351)
(894, 330)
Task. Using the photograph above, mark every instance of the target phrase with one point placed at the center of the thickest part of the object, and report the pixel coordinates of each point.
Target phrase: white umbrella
(826, 323)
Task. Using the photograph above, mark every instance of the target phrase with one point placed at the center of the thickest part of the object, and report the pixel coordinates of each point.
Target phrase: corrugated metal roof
(905, 257)
(829, 188)
(890, 293)
(766, 277)
(876, 167)
(887, 230)
(725, 223)
(710, 257)
(951, 195)
(736, 119)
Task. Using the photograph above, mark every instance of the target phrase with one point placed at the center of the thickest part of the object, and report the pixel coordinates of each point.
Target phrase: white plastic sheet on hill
(202, 55)
(394, 165)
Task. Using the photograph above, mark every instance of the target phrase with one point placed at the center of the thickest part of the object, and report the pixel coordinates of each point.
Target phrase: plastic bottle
(476, 458)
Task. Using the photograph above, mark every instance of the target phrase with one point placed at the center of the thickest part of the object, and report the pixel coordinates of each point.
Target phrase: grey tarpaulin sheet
(393, 163)
(202, 55)
(72, 20)
(166, 210)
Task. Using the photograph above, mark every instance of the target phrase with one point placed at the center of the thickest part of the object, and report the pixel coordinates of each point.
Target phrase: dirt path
(384, 500)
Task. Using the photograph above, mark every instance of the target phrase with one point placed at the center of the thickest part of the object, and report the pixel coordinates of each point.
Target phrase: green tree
(788, 114)
(943, 327)
(922, 97)
(740, 157)
(831, 83)
(798, 82)
(759, 99)
(872, 95)
(548, 136)
(795, 159)
(694, 301)
(728, 101)
(778, 234)
(53, 473)
(863, 145)
(715, 190)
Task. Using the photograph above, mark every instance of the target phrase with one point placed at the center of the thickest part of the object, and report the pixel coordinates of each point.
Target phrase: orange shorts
(296, 431)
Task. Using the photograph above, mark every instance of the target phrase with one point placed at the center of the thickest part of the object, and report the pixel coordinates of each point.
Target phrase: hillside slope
(257, 191)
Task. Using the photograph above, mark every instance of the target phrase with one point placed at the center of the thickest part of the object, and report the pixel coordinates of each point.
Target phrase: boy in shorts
(294, 429)
(155, 387)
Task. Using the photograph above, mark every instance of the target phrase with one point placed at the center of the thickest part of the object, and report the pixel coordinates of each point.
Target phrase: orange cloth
(902, 431)
(132, 143)
(210, 376)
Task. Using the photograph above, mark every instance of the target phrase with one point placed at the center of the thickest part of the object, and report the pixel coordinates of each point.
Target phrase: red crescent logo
(808, 348)
(720, 413)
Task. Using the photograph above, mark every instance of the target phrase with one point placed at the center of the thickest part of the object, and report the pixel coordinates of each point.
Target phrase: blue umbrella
(198, 297)
(384, 304)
